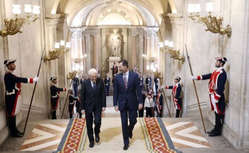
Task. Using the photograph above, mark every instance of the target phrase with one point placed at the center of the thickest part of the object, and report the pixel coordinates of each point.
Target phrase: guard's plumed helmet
(9, 61)
(221, 59)
(178, 78)
(52, 78)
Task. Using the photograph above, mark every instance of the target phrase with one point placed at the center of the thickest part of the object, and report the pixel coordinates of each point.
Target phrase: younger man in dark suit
(127, 98)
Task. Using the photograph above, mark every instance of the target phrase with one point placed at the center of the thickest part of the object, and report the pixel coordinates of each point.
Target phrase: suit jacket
(132, 95)
(93, 97)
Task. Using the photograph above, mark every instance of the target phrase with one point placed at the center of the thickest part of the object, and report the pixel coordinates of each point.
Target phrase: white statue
(115, 41)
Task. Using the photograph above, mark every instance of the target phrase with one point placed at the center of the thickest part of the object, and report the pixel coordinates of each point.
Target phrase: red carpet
(74, 137)
(156, 136)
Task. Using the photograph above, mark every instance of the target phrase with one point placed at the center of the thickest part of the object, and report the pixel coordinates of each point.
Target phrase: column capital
(151, 31)
(81, 29)
(175, 18)
(55, 19)
(92, 32)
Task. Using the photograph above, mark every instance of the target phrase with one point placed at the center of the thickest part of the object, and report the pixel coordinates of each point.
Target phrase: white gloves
(36, 79)
(194, 78)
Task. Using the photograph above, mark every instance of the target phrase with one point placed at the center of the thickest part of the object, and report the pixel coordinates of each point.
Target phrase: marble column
(177, 24)
(88, 51)
(56, 31)
(51, 32)
(77, 50)
(96, 48)
(141, 50)
(152, 45)
(61, 35)
(84, 53)
(137, 48)
(3, 52)
(133, 51)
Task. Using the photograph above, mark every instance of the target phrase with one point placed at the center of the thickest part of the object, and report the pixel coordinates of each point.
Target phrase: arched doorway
(104, 32)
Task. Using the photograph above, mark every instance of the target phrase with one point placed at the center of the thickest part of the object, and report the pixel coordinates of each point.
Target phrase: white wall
(26, 48)
(203, 47)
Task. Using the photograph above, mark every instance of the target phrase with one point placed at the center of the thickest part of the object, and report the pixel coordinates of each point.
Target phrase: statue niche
(115, 43)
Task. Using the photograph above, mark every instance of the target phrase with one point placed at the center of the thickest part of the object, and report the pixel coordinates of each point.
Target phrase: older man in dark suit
(93, 98)
(127, 98)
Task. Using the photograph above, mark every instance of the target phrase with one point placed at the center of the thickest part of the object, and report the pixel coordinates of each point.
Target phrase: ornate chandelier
(13, 26)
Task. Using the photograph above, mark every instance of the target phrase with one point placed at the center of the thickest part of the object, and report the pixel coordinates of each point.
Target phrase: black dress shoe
(97, 138)
(20, 133)
(17, 135)
(126, 146)
(130, 134)
(212, 131)
(214, 134)
(91, 145)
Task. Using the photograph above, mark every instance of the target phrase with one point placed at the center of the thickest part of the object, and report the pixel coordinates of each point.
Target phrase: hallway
(197, 48)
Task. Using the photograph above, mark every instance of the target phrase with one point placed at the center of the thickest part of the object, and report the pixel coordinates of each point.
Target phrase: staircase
(112, 139)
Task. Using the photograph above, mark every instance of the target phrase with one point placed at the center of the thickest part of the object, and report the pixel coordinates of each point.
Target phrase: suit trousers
(78, 108)
(127, 129)
(90, 115)
(70, 110)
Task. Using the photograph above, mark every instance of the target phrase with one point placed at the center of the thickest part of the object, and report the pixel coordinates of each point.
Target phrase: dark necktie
(94, 84)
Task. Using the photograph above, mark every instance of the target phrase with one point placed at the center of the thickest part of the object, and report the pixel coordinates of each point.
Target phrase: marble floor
(45, 136)
(187, 135)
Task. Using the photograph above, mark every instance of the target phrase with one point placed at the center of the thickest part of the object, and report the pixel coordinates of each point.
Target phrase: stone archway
(137, 38)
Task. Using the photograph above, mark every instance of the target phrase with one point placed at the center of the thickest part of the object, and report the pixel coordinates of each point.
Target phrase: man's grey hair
(92, 72)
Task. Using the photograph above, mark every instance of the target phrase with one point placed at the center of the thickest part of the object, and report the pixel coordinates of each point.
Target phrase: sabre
(65, 102)
(164, 95)
(196, 94)
(32, 97)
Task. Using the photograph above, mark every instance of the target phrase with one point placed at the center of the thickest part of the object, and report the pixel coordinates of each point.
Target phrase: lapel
(129, 79)
(90, 84)
(97, 83)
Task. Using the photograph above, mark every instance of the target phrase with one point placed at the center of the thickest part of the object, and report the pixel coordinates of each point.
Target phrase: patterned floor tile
(185, 134)
(45, 136)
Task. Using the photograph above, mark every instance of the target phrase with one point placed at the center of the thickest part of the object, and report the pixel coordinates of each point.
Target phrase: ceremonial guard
(177, 95)
(72, 100)
(114, 69)
(55, 95)
(141, 80)
(148, 82)
(75, 85)
(144, 92)
(107, 82)
(156, 85)
(159, 103)
(13, 90)
(216, 85)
